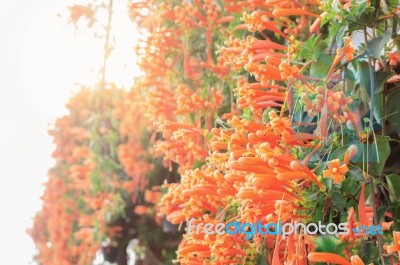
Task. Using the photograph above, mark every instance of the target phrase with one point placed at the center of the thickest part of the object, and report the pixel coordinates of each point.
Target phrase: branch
(371, 109)
(107, 42)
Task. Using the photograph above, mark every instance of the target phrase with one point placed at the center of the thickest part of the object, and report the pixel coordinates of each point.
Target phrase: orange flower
(348, 48)
(257, 21)
(346, 52)
(334, 259)
(336, 171)
(140, 210)
(396, 246)
(287, 71)
(350, 153)
(393, 58)
(386, 225)
(362, 209)
(281, 12)
(356, 260)
(78, 11)
(328, 258)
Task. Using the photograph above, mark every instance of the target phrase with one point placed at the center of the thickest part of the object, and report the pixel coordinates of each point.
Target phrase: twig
(372, 106)
(107, 42)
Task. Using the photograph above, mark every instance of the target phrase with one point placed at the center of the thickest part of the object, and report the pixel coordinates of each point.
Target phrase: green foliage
(321, 66)
(375, 46)
(393, 110)
(373, 154)
(330, 244)
(307, 50)
(393, 181)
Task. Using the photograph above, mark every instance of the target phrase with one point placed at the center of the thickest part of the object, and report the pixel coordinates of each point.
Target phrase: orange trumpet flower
(327, 258)
(396, 246)
(285, 12)
(336, 171)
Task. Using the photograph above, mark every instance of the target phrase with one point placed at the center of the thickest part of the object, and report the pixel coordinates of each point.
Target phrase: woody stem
(371, 119)
(107, 42)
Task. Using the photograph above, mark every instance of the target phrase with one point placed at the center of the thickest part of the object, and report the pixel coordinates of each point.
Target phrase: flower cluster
(256, 111)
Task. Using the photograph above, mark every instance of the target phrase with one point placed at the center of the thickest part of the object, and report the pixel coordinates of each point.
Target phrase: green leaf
(247, 114)
(333, 31)
(377, 152)
(380, 212)
(261, 260)
(350, 80)
(339, 152)
(356, 173)
(338, 202)
(319, 211)
(382, 78)
(340, 35)
(393, 181)
(328, 183)
(392, 4)
(320, 169)
(198, 164)
(330, 244)
(349, 185)
(368, 194)
(378, 108)
(313, 196)
(236, 21)
(320, 68)
(366, 19)
(221, 5)
(321, 46)
(393, 110)
(325, 243)
(375, 45)
(359, 8)
(265, 114)
(364, 81)
(370, 251)
(395, 210)
(307, 50)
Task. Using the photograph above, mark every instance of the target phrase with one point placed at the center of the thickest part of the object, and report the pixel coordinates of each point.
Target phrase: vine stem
(107, 42)
(371, 119)
(372, 80)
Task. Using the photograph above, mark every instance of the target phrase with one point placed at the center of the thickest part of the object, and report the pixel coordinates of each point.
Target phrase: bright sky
(40, 60)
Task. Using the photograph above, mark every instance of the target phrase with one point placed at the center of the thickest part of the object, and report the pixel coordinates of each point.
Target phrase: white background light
(40, 60)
